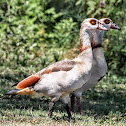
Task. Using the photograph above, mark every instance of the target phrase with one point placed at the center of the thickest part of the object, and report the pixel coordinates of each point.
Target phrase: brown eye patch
(107, 21)
(93, 22)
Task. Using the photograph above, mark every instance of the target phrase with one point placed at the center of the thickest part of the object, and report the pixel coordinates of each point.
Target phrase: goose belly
(61, 82)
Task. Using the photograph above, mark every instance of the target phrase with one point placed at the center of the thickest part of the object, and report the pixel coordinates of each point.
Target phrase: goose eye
(93, 22)
(107, 21)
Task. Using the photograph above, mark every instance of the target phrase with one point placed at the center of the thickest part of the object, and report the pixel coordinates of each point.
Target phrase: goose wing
(64, 65)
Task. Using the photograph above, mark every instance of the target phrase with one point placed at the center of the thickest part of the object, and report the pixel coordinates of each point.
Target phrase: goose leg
(65, 99)
(51, 106)
(68, 110)
(72, 102)
(79, 106)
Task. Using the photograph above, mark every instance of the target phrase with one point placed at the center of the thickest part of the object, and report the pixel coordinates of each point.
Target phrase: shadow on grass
(96, 104)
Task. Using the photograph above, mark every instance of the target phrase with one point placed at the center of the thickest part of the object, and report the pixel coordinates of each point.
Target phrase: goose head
(108, 23)
(92, 24)
(98, 34)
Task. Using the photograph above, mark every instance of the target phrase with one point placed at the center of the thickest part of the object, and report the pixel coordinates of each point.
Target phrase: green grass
(104, 105)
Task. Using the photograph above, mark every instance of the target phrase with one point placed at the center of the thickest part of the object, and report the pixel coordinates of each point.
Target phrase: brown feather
(94, 45)
(60, 66)
(28, 82)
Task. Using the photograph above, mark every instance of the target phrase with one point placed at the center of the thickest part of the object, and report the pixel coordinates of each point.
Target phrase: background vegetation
(36, 33)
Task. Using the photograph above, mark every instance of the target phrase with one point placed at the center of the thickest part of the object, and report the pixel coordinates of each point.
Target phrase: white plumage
(99, 67)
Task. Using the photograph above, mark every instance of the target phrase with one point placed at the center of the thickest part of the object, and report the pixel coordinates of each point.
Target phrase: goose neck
(85, 40)
(97, 38)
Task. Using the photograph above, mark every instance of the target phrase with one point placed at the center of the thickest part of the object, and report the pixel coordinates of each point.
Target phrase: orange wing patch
(32, 79)
(28, 82)
(48, 70)
(58, 66)
(26, 91)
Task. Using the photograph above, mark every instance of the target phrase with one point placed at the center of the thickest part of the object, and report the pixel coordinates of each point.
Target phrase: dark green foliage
(39, 32)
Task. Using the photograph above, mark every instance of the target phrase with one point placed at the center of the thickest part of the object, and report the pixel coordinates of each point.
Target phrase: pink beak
(114, 26)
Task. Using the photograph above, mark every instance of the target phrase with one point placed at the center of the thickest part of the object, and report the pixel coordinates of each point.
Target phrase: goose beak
(101, 26)
(114, 26)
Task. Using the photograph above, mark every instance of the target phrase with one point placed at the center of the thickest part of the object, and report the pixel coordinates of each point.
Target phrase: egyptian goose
(99, 67)
(62, 78)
